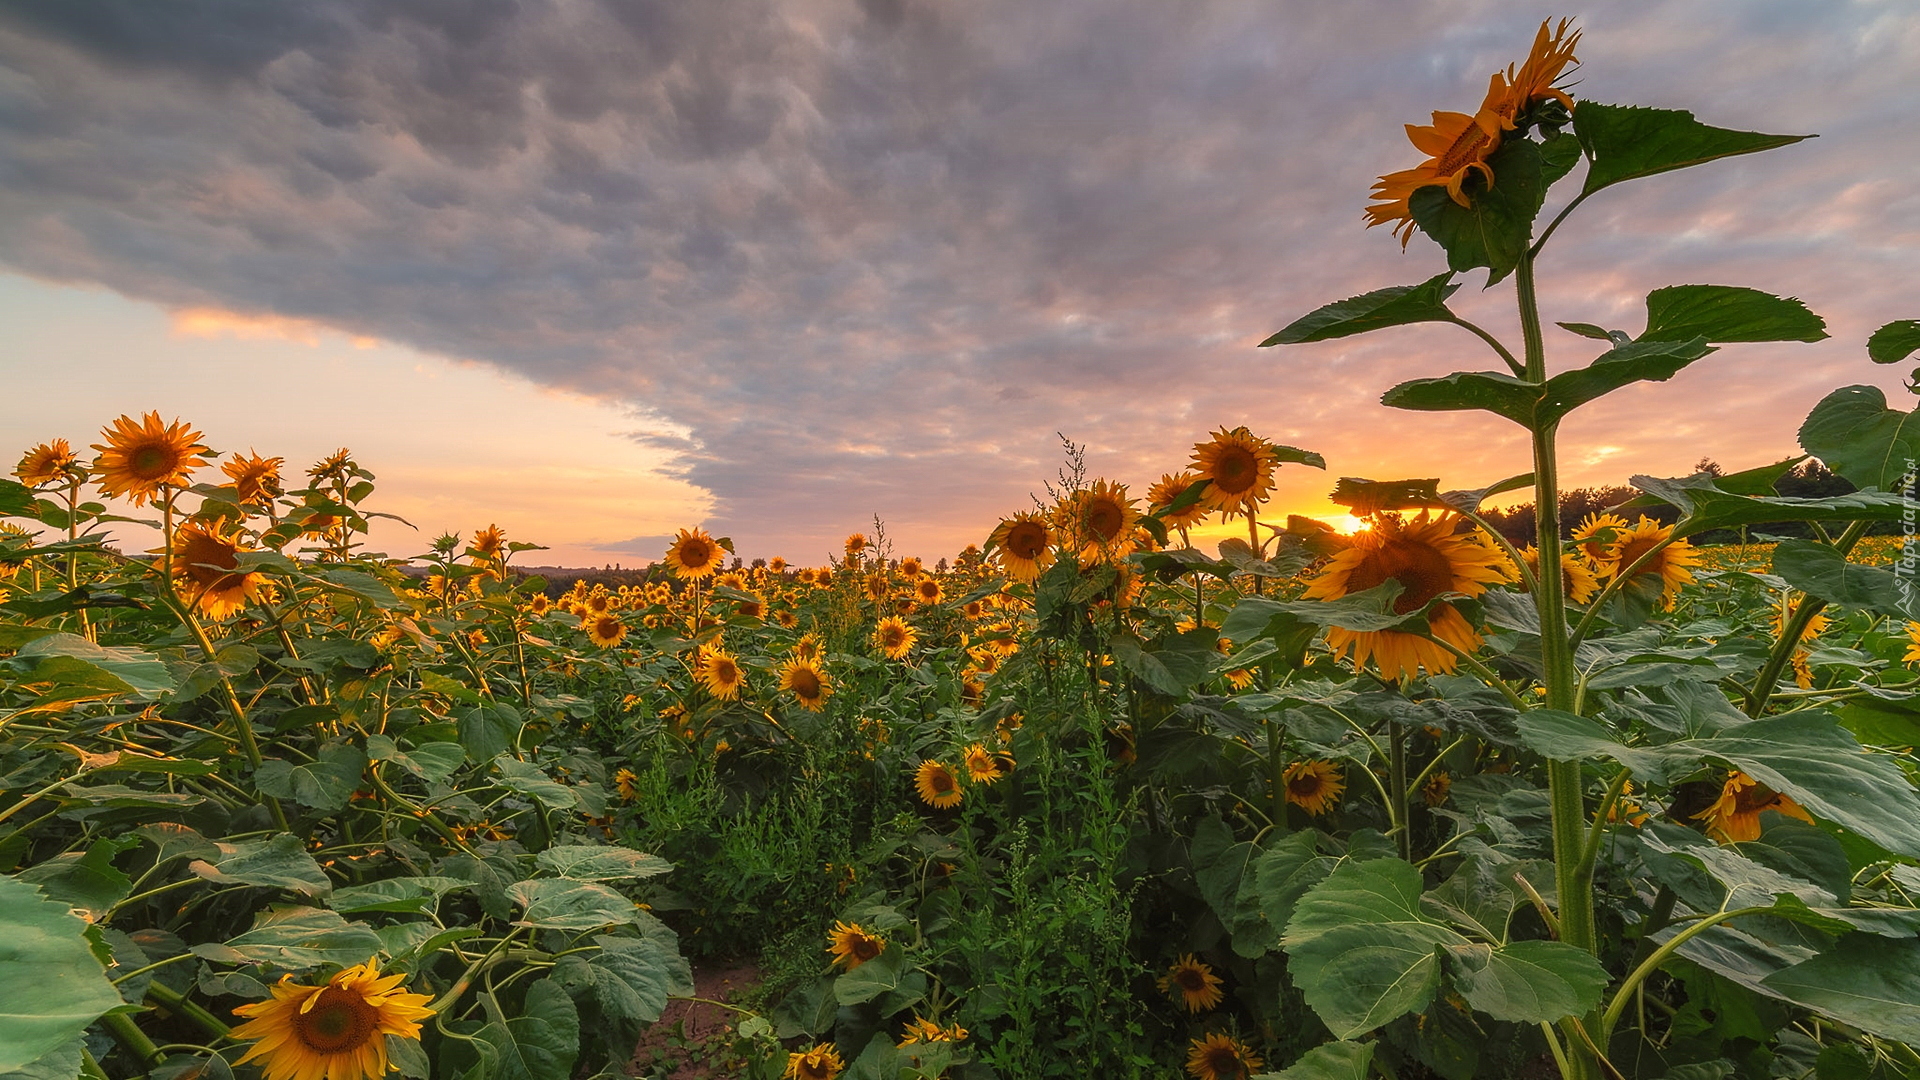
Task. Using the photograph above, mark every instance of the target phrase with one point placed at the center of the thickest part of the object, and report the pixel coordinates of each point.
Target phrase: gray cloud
(874, 254)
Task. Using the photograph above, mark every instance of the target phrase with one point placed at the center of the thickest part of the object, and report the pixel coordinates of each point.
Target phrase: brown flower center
(1027, 540)
(1235, 471)
(806, 685)
(1306, 785)
(338, 1021)
(153, 461)
(1421, 569)
(1191, 980)
(694, 554)
(1104, 519)
(863, 947)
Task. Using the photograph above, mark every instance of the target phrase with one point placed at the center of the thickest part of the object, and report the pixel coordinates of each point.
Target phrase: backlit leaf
(1725, 313)
(1395, 306)
(1625, 142)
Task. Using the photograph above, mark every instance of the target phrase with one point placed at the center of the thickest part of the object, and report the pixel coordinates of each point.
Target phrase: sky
(598, 270)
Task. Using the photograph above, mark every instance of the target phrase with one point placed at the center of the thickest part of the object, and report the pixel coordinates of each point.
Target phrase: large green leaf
(1869, 982)
(122, 669)
(487, 731)
(558, 904)
(1286, 871)
(86, 881)
(1708, 507)
(629, 979)
(1534, 982)
(1329, 1061)
(1494, 391)
(1726, 313)
(51, 984)
(433, 762)
(527, 779)
(1361, 951)
(1854, 432)
(1894, 342)
(538, 1044)
(1638, 361)
(59, 1063)
(1810, 757)
(296, 937)
(394, 894)
(325, 784)
(1495, 230)
(1820, 570)
(279, 862)
(365, 586)
(1225, 871)
(1625, 142)
(1394, 306)
(592, 862)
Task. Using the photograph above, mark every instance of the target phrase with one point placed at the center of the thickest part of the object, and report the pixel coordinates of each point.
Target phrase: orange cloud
(207, 322)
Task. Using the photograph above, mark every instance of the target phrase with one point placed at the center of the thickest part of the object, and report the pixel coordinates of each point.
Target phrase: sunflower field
(1086, 800)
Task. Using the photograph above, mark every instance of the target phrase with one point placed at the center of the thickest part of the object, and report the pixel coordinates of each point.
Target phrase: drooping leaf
(1329, 1061)
(1493, 391)
(1363, 497)
(433, 762)
(1225, 871)
(296, 938)
(1856, 435)
(629, 980)
(528, 779)
(1894, 342)
(1395, 306)
(1361, 950)
(85, 881)
(1285, 872)
(1495, 230)
(55, 986)
(558, 904)
(1866, 981)
(538, 1044)
(278, 862)
(1625, 142)
(588, 862)
(1533, 982)
(1725, 313)
(1811, 758)
(394, 894)
(365, 586)
(488, 731)
(1707, 507)
(1820, 570)
(325, 784)
(872, 978)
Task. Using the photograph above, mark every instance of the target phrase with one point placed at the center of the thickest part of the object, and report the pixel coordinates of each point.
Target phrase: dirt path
(693, 1040)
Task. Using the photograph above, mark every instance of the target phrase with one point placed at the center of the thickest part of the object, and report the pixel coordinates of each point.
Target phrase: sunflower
(1162, 495)
(335, 466)
(823, 578)
(1313, 786)
(1239, 464)
(821, 1062)
(338, 1031)
(720, 673)
(693, 554)
(894, 638)
(1735, 816)
(1025, 545)
(205, 558)
(807, 683)
(922, 1030)
(1458, 145)
(256, 480)
(754, 608)
(879, 587)
(911, 567)
(1578, 582)
(1238, 678)
(488, 543)
(599, 602)
(1426, 557)
(856, 545)
(732, 579)
(538, 605)
(1913, 643)
(1434, 792)
(805, 576)
(138, 459)
(1599, 538)
(937, 785)
(1192, 984)
(982, 766)
(605, 630)
(1101, 520)
(972, 691)
(626, 783)
(928, 591)
(1671, 565)
(787, 618)
(1221, 1057)
(809, 647)
(48, 463)
(852, 945)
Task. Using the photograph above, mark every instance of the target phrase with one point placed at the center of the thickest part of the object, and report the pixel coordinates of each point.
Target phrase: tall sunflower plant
(1670, 819)
(295, 808)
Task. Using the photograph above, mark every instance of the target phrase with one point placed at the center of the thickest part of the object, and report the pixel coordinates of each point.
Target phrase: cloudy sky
(600, 269)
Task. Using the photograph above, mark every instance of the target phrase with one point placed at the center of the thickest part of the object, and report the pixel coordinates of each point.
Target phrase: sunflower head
(256, 480)
(693, 554)
(1661, 562)
(911, 567)
(1578, 582)
(1238, 466)
(856, 545)
(720, 673)
(983, 767)
(894, 638)
(1220, 1056)
(205, 561)
(1167, 491)
(51, 462)
(1314, 786)
(1599, 537)
(1192, 984)
(338, 465)
(1100, 519)
(803, 678)
(338, 1030)
(1735, 816)
(852, 945)
(626, 783)
(1024, 544)
(489, 543)
(605, 629)
(819, 1062)
(937, 785)
(928, 591)
(140, 458)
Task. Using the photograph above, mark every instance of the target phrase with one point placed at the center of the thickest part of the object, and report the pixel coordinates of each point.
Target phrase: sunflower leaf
(1727, 313)
(46, 950)
(1398, 305)
(1364, 497)
(1332, 1061)
(1864, 980)
(1706, 506)
(1625, 142)
(1495, 230)
(1533, 982)
(538, 1044)
(1821, 570)
(1894, 342)
(1856, 435)
(1639, 361)
(1360, 948)
(1494, 391)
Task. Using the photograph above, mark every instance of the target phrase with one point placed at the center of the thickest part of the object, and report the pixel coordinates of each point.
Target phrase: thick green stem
(1793, 630)
(1652, 963)
(132, 1039)
(168, 998)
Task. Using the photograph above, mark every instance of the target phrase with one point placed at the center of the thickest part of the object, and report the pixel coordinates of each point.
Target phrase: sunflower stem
(171, 999)
(1794, 629)
(1277, 773)
(1397, 781)
(132, 1039)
